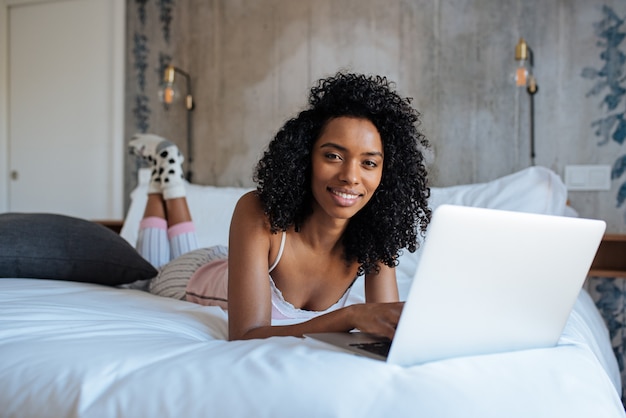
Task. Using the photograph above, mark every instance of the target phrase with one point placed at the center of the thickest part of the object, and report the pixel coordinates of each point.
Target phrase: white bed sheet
(81, 350)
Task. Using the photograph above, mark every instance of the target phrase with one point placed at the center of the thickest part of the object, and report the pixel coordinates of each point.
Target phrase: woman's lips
(344, 197)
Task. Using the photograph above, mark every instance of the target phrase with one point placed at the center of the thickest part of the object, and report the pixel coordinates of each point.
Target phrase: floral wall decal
(140, 56)
(141, 11)
(141, 111)
(610, 79)
(164, 61)
(165, 16)
(610, 301)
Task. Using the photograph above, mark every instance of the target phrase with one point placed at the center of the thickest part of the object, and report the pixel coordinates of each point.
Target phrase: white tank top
(281, 309)
(209, 286)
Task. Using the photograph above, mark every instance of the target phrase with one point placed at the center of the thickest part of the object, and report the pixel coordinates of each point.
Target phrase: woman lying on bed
(340, 191)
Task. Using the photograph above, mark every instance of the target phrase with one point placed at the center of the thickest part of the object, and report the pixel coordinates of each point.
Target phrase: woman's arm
(381, 295)
(249, 297)
(381, 286)
(249, 294)
(374, 318)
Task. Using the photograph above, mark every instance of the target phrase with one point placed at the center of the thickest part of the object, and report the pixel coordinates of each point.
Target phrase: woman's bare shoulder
(250, 199)
(250, 203)
(249, 211)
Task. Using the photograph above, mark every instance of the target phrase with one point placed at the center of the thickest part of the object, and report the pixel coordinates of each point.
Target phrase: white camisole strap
(280, 252)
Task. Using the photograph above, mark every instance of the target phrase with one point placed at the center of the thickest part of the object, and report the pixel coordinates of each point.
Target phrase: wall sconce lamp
(524, 77)
(169, 94)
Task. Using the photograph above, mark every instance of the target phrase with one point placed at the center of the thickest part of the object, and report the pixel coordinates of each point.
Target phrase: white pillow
(534, 190)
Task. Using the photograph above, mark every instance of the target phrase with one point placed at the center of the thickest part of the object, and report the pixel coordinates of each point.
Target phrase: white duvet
(81, 350)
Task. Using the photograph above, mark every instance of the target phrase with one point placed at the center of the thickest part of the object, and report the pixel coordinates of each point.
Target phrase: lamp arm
(531, 56)
(532, 86)
(189, 102)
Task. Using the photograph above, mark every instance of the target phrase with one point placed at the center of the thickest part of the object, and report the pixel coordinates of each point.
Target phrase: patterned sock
(170, 171)
(145, 146)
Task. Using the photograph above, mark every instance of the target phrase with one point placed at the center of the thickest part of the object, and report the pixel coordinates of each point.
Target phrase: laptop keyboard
(379, 347)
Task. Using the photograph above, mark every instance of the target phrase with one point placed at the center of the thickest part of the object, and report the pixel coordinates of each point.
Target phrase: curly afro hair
(397, 212)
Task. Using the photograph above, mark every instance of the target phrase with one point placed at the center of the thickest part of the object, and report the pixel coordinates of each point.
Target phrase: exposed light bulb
(523, 71)
(521, 74)
(169, 93)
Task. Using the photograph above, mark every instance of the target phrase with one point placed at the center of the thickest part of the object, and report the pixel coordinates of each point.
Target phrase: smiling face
(347, 166)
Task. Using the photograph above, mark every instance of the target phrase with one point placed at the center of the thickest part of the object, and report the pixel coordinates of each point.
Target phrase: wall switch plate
(588, 177)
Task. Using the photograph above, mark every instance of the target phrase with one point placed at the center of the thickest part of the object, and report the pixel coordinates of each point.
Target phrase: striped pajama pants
(175, 253)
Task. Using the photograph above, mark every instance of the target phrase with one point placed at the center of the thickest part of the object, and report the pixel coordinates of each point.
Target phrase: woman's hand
(377, 318)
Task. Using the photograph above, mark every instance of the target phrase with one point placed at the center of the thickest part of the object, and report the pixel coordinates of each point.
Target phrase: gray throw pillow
(50, 246)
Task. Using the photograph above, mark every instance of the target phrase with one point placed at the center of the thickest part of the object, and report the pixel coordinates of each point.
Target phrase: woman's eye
(333, 156)
(371, 164)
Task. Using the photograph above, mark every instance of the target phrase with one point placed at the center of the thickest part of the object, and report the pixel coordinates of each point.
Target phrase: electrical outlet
(588, 177)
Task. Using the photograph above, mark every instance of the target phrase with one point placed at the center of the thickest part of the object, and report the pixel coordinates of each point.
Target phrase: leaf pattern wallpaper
(610, 81)
(141, 57)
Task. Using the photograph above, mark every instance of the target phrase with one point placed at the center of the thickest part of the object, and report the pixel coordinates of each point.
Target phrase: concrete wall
(253, 61)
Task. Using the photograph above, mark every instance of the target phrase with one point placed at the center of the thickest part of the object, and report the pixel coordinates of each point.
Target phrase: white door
(65, 107)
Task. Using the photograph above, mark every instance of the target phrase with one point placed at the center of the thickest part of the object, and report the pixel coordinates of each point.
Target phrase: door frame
(115, 196)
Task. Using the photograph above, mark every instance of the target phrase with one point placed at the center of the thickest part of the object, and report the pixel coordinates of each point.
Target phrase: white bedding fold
(73, 349)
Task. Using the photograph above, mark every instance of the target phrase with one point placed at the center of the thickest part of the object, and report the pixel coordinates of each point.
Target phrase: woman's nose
(350, 172)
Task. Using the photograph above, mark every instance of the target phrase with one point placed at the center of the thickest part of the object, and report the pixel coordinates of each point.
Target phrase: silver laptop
(488, 281)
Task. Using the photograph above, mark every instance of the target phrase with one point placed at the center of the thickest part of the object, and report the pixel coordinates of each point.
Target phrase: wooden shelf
(113, 224)
(610, 260)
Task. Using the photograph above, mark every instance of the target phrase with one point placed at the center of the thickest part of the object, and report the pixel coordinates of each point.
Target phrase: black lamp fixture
(524, 77)
(169, 94)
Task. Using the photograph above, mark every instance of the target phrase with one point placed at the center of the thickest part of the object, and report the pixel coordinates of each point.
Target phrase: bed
(84, 349)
